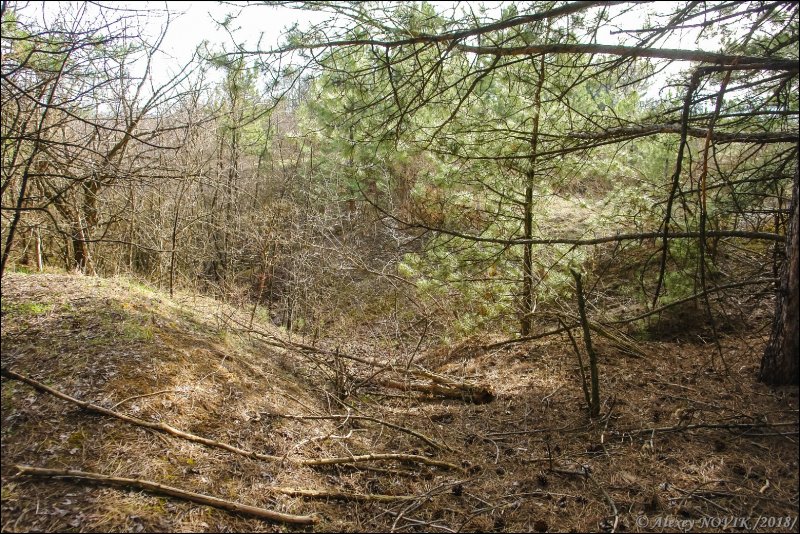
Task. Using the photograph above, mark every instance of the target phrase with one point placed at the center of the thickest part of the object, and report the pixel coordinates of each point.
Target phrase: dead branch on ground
(464, 392)
(340, 495)
(414, 433)
(375, 457)
(161, 427)
(444, 386)
(609, 500)
(723, 426)
(155, 487)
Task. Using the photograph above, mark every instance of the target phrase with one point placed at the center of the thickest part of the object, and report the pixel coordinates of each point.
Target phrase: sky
(190, 24)
(197, 22)
(193, 22)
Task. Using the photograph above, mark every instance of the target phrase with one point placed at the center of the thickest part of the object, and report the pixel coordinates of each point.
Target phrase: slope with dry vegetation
(362, 441)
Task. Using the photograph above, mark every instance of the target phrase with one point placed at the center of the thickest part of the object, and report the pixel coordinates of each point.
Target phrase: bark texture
(779, 365)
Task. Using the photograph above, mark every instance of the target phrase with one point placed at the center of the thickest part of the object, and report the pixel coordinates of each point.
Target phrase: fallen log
(443, 386)
(460, 391)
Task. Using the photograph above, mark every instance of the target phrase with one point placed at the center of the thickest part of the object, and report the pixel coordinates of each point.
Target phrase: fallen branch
(726, 426)
(506, 342)
(342, 496)
(155, 487)
(376, 457)
(690, 298)
(609, 500)
(447, 387)
(161, 427)
(414, 433)
(463, 391)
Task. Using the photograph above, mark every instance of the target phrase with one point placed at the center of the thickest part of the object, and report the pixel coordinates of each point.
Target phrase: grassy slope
(109, 341)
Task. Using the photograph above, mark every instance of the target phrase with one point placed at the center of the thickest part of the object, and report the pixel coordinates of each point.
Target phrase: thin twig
(123, 401)
(729, 426)
(414, 433)
(608, 499)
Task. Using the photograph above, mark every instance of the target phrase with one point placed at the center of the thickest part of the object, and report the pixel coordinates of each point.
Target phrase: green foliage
(478, 159)
(244, 123)
(425, 156)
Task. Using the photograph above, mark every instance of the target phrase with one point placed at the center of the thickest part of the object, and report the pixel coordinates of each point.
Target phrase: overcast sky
(198, 22)
(194, 22)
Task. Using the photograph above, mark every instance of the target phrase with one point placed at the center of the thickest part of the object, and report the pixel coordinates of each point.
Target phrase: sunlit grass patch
(26, 308)
(131, 331)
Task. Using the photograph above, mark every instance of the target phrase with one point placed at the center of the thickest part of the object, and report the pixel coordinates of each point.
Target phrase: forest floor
(684, 442)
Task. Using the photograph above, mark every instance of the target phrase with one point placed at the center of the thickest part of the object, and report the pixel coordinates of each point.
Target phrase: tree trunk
(80, 249)
(779, 364)
(14, 221)
(39, 256)
(594, 405)
(527, 260)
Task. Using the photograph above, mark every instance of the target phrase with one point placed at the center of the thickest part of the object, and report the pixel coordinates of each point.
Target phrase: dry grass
(532, 460)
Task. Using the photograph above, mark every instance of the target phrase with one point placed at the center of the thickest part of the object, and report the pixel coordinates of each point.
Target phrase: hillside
(528, 460)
